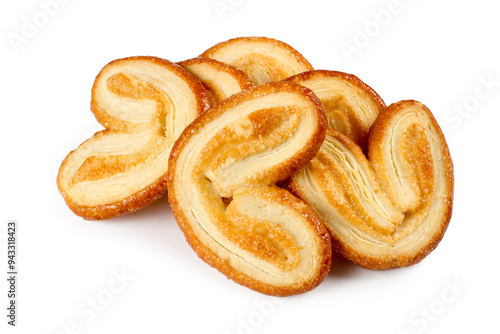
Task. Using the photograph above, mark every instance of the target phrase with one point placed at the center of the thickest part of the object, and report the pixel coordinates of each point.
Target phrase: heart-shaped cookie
(389, 209)
(221, 187)
(144, 103)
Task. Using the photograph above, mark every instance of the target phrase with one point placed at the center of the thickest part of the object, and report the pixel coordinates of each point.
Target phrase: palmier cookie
(220, 79)
(351, 105)
(392, 209)
(263, 59)
(221, 187)
(144, 103)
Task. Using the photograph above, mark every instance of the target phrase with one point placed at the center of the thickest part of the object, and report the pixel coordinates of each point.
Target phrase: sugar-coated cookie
(221, 187)
(389, 209)
(144, 103)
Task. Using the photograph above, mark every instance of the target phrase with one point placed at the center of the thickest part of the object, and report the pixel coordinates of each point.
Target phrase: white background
(442, 53)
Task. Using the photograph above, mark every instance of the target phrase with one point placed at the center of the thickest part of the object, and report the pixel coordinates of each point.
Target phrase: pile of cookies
(269, 165)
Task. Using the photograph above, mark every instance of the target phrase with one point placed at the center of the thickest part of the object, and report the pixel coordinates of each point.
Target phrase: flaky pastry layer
(351, 105)
(220, 79)
(263, 59)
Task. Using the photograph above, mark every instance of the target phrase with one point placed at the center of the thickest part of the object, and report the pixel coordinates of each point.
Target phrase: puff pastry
(144, 103)
(263, 59)
(391, 209)
(221, 187)
(220, 79)
(351, 105)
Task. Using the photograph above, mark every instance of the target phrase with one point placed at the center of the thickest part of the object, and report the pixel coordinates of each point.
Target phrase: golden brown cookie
(221, 187)
(263, 59)
(351, 105)
(220, 79)
(392, 209)
(144, 103)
